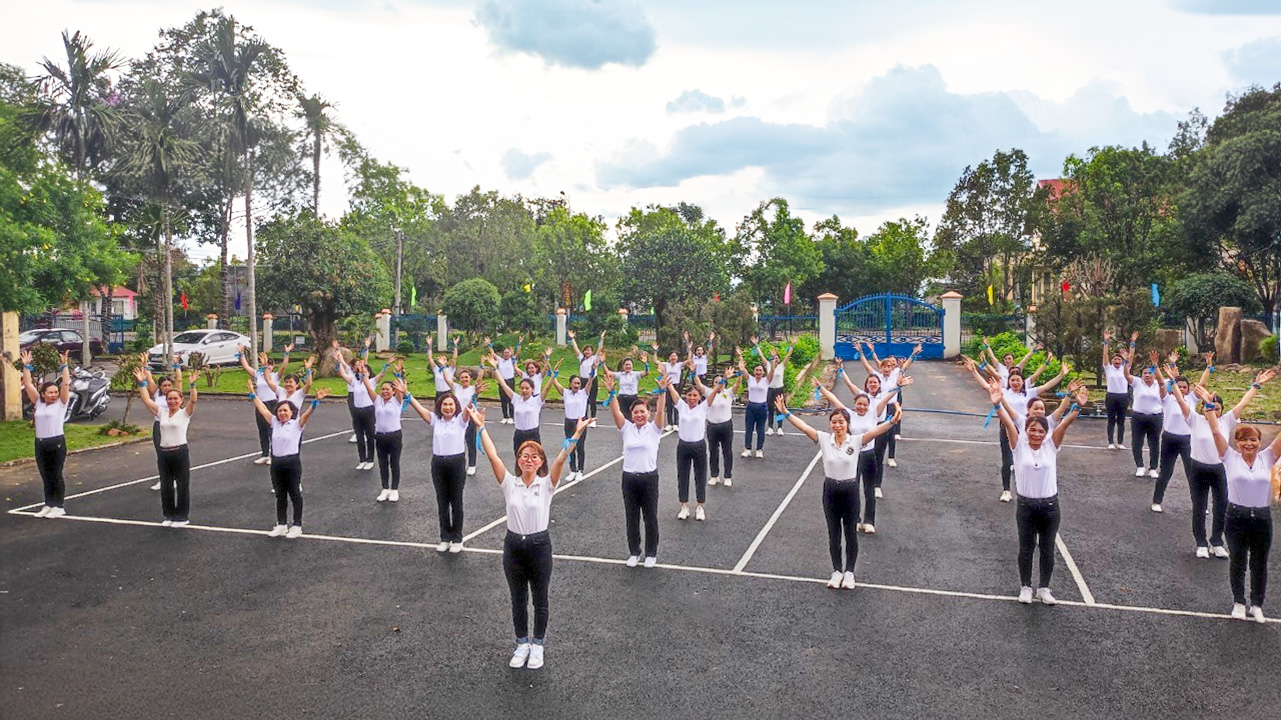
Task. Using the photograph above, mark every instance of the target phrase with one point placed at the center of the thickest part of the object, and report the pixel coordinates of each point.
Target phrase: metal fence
(413, 329)
(990, 325)
(786, 327)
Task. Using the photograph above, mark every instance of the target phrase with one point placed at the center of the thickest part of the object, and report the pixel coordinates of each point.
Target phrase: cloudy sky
(868, 110)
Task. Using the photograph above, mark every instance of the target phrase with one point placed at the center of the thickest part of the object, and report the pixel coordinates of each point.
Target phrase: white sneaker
(1111, 446)
(760, 453)
(848, 581)
(1045, 596)
(520, 656)
(295, 531)
(268, 460)
(869, 528)
(1256, 612)
(769, 431)
(1005, 496)
(834, 582)
(632, 561)
(1140, 471)
(360, 466)
(699, 514)
(650, 561)
(278, 531)
(535, 657)
(1238, 611)
(167, 523)
(1025, 595)
(455, 547)
(891, 462)
(351, 439)
(471, 469)
(369, 465)
(56, 512)
(181, 523)
(876, 492)
(156, 486)
(394, 496)
(442, 546)
(44, 511)
(1154, 473)
(858, 527)
(1203, 552)
(745, 453)
(382, 496)
(684, 513)
(779, 431)
(713, 480)
(1220, 552)
(260, 460)
(897, 437)
(1156, 507)
(729, 482)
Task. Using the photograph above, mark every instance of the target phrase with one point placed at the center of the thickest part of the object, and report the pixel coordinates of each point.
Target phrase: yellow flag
(528, 287)
(990, 299)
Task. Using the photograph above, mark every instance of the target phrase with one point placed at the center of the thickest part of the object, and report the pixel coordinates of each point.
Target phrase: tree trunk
(315, 176)
(168, 288)
(224, 271)
(249, 257)
(128, 404)
(324, 328)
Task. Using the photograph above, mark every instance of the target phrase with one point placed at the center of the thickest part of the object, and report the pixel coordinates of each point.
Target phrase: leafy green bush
(1009, 342)
(520, 312)
(1268, 350)
(472, 305)
(405, 347)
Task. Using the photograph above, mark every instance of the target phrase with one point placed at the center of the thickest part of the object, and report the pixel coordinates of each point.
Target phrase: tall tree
(572, 257)
(665, 258)
(984, 232)
(778, 251)
(848, 270)
(320, 127)
(901, 260)
(77, 105)
(1232, 203)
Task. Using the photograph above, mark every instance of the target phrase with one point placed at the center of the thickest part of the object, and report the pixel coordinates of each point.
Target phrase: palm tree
(77, 104)
(319, 127)
(160, 154)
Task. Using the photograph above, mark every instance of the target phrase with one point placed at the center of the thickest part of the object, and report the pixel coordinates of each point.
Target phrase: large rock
(1227, 339)
(1167, 340)
(1252, 333)
(329, 364)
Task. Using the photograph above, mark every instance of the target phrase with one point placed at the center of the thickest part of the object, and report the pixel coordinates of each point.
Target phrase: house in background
(123, 303)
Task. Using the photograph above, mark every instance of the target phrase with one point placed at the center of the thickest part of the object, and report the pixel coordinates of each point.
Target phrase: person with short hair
(49, 406)
(449, 426)
(287, 425)
(641, 435)
(173, 457)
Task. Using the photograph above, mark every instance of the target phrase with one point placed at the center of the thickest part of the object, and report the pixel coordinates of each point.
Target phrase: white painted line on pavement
(1086, 595)
(778, 512)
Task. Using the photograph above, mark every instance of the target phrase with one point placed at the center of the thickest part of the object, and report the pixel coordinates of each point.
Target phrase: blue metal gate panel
(892, 324)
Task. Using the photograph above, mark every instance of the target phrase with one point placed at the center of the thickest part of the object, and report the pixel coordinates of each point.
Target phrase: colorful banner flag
(587, 300)
(237, 300)
(1156, 296)
(413, 296)
(787, 294)
(184, 302)
(528, 287)
(991, 298)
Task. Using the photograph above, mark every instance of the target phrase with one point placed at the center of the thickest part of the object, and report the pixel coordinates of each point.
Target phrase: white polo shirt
(528, 507)
(721, 409)
(285, 437)
(359, 395)
(587, 365)
(1204, 450)
(693, 427)
(1147, 398)
(506, 368)
(262, 389)
(387, 415)
(1036, 471)
(1115, 378)
(575, 404)
(173, 428)
(50, 418)
(640, 447)
(448, 437)
(442, 376)
(526, 411)
(1172, 420)
(840, 462)
(757, 390)
(1249, 485)
(628, 382)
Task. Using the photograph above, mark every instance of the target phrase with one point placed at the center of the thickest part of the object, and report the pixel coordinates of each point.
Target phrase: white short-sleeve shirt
(862, 424)
(1172, 420)
(528, 507)
(693, 427)
(700, 365)
(587, 365)
(672, 371)
(1147, 398)
(464, 395)
(285, 437)
(780, 376)
(640, 447)
(757, 390)
(1115, 378)
(387, 415)
(359, 395)
(1249, 485)
(442, 376)
(575, 404)
(173, 427)
(628, 382)
(1204, 450)
(506, 368)
(448, 437)
(526, 412)
(49, 418)
(1036, 471)
(1018, 401)
(840, 462)
(261, 388)
(721, 408)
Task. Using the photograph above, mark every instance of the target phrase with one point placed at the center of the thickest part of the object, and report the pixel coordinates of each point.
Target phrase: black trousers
(640, 498)
(1145, 427)
(1038, 521)
(879, 446)
(521, 436)
(362, 423)
(593, 392)
(1205, 482)
(389, 446)
(449, 476)
(720, 446)
(175, 482)
(1173, 447)
(869, 475)
(506, 401)
(286, 478)
(625, 404)
(51, 456)
(757, 414)
(691, 455)
(771, 422)
(1117, 403)
(264, 428)
(1249, 533)
(578, 453)
(673, 415)
(1007, 460)
(896, 429)
(470, 438)
(840, 508)
(527, 562)
(155, 435)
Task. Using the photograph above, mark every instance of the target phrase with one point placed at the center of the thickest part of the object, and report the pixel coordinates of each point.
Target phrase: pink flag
(787, 294)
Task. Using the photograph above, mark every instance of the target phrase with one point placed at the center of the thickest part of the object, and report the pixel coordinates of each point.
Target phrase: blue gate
(892, 324)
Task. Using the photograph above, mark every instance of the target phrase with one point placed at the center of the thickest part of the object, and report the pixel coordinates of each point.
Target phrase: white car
(218, 346)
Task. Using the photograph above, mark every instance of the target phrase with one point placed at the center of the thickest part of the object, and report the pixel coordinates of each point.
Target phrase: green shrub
(405, 347)
(472, 305)
(1268, 350)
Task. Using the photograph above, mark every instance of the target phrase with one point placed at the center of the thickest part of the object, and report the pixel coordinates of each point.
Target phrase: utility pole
(400, 264)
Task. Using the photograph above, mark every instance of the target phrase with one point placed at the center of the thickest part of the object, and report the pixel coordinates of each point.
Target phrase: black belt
(1039, 501)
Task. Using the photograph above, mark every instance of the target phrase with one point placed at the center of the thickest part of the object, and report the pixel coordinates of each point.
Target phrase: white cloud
(696, 101)
(519, 165)
(1257, 62)
(574, 33)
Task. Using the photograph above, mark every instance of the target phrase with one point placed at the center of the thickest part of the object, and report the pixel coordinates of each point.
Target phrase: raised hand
(781, 404)
(685, 335)
(547, 352)
(399, 384)
(250, 385)
(1082, 396)
(994, 393)
(311, 360)
(1107, 336)
(571, 334)
(1209, 357)
(1134, 336)
(322, 393)
(609, 382)
(583, 424)
(65, 357)
(1265, 376)
(139, 374)
(711, 336)
(289, 348)
(905, 380)
(477, 416)
(25, 356)
(1154, 358)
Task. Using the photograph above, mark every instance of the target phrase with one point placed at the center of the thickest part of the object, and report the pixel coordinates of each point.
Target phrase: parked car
(218, 346)
(65, 339)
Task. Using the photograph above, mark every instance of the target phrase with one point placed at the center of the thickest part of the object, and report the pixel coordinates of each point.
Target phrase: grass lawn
(419, 378)
(18, 438)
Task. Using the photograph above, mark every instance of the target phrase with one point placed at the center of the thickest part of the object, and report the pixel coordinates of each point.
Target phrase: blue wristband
(30, 367)
(142, 383)
(315, 404)
(253, 395)
(62, 367)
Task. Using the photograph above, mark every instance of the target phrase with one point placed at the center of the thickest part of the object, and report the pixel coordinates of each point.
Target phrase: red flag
(184, 301)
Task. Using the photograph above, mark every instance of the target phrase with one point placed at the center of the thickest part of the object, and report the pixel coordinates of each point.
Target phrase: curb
(19, 462)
